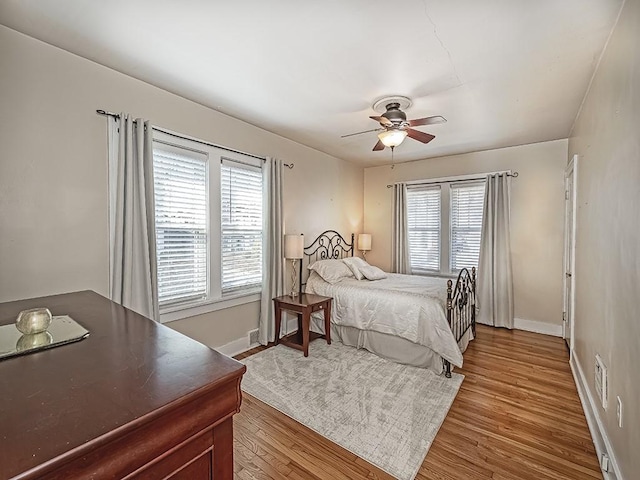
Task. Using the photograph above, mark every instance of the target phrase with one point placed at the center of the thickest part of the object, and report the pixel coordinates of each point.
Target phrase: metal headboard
(329, 244)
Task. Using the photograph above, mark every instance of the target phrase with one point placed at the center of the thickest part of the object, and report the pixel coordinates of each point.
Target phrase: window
(208, 212)
(444, 223)
(180, 184)
(241, 226)
(466, 224)
(423, 221)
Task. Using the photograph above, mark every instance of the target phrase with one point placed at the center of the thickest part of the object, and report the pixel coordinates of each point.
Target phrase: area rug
(386, 413)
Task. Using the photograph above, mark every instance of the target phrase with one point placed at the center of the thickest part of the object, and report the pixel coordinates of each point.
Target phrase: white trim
(574, 277)
(178, 313)
(291, 325)
(235, 347)
(241, 345)
(316, 326)
(433, 273)
(536, 326)
(571, 171)
(596, 427)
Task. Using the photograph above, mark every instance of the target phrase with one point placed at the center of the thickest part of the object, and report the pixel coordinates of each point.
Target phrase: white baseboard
(241, 345)
(292, 325)
(596, 427)
(237, 346)
(537, 327)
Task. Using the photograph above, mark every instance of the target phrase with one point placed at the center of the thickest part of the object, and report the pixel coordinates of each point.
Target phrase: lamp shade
(293, 246)
(364, 242)
(392, 137)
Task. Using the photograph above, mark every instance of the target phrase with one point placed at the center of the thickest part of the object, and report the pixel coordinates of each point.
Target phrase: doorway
(570, 198)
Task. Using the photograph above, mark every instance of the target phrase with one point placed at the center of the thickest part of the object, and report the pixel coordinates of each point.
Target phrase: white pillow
(355, 264)
(372, 273)
(332, 271)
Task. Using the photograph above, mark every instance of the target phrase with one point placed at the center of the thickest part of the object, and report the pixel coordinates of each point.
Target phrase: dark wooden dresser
(133, 400)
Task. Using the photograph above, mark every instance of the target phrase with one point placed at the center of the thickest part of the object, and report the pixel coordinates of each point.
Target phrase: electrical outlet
(619, 410)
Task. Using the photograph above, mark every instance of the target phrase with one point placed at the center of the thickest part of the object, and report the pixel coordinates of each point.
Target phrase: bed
(416, 320)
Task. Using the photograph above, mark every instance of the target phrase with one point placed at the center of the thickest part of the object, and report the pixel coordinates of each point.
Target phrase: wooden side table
(304, 305)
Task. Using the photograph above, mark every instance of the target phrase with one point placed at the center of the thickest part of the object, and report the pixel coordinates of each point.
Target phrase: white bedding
(407, 306)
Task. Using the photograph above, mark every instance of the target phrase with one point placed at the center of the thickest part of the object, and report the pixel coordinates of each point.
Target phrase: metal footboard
(461, 308)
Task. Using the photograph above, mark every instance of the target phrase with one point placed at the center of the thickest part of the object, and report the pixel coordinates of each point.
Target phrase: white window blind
(466, 224)
(423, 222)
(180, 182)
(241, 195)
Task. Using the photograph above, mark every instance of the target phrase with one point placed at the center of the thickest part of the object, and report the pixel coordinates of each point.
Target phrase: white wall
(53, 174)
(537, 216)
(606, 138)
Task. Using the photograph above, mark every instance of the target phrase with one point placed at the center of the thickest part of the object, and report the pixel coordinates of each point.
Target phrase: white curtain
(495, 282)
(273, 249)
(132, 245)
(401, 259)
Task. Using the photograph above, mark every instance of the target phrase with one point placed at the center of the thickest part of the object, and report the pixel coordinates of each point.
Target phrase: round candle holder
(32, 321)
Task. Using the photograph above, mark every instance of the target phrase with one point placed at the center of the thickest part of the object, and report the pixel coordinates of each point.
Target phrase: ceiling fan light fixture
(392, 137)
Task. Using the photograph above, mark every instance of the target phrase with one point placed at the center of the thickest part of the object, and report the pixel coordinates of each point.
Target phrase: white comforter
(407, 306)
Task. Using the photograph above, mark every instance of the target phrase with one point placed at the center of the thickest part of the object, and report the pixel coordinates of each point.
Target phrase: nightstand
(303, 305)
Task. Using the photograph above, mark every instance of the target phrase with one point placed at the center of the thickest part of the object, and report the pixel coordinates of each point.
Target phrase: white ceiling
(503, 72)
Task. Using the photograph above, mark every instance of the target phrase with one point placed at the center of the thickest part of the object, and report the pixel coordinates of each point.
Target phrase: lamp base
(294, 277)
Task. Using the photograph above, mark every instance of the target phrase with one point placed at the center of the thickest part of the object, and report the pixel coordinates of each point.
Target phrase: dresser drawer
(200, 468)
(193, 460)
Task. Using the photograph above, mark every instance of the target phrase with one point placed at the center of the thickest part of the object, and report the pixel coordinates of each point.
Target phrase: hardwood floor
(516, 416)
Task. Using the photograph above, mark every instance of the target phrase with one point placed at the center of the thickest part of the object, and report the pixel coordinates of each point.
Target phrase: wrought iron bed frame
(461, 300)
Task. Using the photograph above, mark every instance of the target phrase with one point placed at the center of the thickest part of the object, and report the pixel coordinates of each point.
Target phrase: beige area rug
(386, 413)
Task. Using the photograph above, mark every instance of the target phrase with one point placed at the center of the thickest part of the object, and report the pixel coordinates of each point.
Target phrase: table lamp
(293, 250)
(364, 244)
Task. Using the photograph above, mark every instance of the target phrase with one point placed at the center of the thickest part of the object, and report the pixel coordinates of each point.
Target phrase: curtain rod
(173, 134)
(470, 179)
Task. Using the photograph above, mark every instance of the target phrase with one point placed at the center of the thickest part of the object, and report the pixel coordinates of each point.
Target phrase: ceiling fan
(394, 126)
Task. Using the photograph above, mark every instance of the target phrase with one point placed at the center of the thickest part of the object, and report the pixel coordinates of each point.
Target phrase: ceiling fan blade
(379, 146)
(359, 133)
(427, 121)
(420, 136)
(382, 120)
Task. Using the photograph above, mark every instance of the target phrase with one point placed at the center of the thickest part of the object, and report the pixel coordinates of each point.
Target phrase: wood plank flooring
(516, 416)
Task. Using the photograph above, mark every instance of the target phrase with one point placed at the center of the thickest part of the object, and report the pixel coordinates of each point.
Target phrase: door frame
(571, 171)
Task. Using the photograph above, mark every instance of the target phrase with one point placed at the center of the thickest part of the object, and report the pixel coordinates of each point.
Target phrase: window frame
(215, 298)
(196, 156)
(459, 184)
(427, 188)
(232, 163)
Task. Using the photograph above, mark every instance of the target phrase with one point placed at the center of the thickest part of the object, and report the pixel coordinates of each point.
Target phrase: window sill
(425, 273)
(171, 314)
